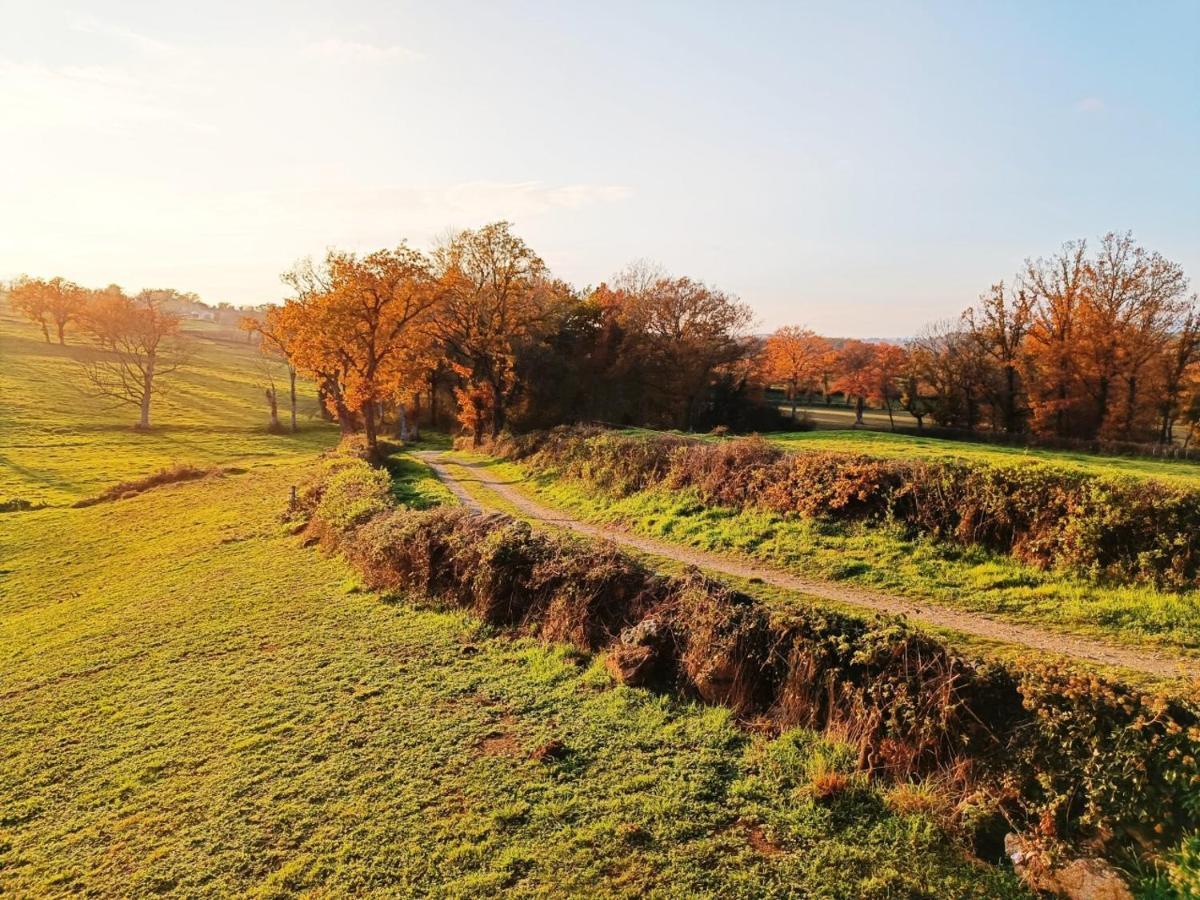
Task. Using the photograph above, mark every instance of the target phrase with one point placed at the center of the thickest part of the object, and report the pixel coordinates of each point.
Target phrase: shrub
(353, 493)
(1112, 528)
(1062, 754)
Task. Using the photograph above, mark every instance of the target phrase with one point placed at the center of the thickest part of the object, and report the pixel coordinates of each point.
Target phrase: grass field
(194, 703)
(58, 444)
(885, 559)
(886, 444)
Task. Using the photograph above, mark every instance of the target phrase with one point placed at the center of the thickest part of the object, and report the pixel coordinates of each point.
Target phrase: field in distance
(59, 444)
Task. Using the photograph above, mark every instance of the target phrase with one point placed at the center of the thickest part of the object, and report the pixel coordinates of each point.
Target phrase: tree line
(1079, 345)
(481, 322)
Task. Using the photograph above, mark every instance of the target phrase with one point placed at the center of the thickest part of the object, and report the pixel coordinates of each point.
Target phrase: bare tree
(140, 343)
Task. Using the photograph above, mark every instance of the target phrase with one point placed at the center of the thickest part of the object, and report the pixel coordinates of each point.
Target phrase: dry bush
(1112, 528)
(1064, 754)
(170, 475)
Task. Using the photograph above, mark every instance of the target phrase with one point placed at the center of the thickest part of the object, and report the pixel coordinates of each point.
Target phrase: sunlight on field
(58, 444)
(221, 709)
(878, 443)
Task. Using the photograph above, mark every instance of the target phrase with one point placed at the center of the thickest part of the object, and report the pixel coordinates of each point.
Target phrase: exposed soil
(977, 624)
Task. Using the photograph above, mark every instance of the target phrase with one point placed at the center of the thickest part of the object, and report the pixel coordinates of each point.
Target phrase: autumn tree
(1178, 365)
(795, 358)
(277, 335)
(686, 331)
(141, 344)
(998, 325)
(856, 375)
(1058, 288)
(891, 363)
(353, 326)
(48, 301)
(495, 293)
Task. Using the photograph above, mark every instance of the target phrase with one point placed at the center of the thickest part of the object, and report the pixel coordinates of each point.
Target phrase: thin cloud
(342, 50)
(1090, 105)
(145, 43)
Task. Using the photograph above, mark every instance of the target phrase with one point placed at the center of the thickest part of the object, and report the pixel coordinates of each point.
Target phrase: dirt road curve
(966, 622)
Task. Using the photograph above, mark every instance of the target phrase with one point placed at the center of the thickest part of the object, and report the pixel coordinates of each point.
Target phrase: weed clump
(170, 475)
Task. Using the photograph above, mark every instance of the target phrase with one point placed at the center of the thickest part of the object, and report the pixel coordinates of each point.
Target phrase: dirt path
(971, 623)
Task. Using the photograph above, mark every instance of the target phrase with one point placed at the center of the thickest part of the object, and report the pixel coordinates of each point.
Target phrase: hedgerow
(1120, 529)
(1060, 755)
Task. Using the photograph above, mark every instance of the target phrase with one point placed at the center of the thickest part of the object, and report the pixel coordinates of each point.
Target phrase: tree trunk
(62, 329)
(858, 412)
(45, 331)
(369, 425)
(401, 421)
(498, 412)
(1130, 407)
(147, 389)
(891, 421)
(793, 393)
(273, 405)
(433, 410)
(1010, 399)
(292, 390)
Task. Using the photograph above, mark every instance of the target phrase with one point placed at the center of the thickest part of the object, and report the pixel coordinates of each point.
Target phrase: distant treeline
(1101, 346)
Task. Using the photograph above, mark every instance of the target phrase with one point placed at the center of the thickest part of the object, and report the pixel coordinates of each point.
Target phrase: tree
(891, 362)
(495, 294)
(795, 356)
(44, 301)
(1177, 362)
(685, 332)
(998, 325)
(954, 369)
(857, 375)
(143, 344)
(1057, 286)
(354, 324)
(277, 338)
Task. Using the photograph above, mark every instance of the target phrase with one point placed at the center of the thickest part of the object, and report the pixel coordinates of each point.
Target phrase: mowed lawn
(59, 444)
(194, 703)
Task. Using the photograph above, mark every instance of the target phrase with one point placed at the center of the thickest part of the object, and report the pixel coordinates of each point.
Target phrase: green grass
(885, 444)
(59, 445)
(884, 559)
(194, 703)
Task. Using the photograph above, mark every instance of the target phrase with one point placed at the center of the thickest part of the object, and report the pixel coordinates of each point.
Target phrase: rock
(631, 665)
(1081, 879)
(645, 633)
(636, 658)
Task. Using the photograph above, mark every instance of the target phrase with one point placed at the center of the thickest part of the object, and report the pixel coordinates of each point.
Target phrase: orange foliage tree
(796, 358)
(495, 293)
(44, 301)
(353, 326)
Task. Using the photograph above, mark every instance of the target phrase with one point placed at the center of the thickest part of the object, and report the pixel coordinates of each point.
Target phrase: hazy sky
(861, 168)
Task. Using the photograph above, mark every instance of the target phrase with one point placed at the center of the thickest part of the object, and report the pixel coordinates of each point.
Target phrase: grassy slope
(191, 702)
(968, 578)
(58, 445)
(219, 710)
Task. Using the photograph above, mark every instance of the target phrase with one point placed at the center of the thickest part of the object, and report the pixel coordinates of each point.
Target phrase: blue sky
(858, 167)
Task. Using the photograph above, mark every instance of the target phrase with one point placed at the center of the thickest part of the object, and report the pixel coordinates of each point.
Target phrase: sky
(860, 168)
